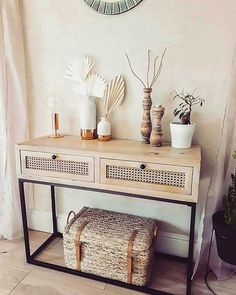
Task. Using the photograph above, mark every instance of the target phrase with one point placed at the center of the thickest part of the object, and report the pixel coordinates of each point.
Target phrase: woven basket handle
(69, 216)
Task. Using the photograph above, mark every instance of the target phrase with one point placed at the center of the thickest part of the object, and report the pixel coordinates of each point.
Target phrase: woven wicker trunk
(109, 244)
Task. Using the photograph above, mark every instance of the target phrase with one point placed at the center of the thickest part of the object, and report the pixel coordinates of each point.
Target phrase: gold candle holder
(88, 134)
(55, 126)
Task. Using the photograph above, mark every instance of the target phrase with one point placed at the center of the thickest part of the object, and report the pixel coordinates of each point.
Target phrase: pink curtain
(224, 166)
(13, 114)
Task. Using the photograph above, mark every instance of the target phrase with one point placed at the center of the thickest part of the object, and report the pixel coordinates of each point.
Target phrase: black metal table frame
(31, 258)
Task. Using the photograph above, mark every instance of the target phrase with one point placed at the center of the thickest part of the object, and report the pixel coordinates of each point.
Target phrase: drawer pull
(142, 166)
(54, 157)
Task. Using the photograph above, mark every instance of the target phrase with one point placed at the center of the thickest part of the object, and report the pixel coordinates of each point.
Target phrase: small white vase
(88, 118)
(104, 130)
(181, 135)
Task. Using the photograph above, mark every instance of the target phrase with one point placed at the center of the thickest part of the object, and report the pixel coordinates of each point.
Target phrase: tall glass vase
(88, 118)
(146, 124)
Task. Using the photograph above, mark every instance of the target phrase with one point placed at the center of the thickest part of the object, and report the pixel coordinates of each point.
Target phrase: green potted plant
(182, 132)
(224, 224)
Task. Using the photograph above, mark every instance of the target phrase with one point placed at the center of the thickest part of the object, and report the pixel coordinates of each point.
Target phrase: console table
(123, 167)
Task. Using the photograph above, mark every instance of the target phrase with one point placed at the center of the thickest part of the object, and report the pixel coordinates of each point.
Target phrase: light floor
(19, 278)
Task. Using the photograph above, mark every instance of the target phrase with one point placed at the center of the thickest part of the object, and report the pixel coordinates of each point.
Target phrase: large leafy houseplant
(224, 224)
(229, 201)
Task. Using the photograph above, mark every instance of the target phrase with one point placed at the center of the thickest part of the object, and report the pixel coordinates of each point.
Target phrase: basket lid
(112, 229)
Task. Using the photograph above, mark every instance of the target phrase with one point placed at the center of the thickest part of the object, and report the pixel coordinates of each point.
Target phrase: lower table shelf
(50, 254)
(33, 258)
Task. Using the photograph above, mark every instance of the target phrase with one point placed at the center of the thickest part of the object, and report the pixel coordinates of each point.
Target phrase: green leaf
(176, 114)
(175, 111)
(234, 154)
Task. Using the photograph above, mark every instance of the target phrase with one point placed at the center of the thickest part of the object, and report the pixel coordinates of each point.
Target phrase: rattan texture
(104, 244)
(170, 178)
(64, 166)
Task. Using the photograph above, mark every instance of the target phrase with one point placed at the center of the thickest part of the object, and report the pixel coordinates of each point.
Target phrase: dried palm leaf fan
(79, 69)
(113, 97)
(90, 86)
(93, 86)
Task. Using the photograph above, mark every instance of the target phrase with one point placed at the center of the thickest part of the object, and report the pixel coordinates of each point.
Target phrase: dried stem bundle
(156, 71)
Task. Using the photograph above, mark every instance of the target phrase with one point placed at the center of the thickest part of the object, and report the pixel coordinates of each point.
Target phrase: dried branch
(148, 68)
(133, 71)
(156, 73)
(159, 69)
(154, 67)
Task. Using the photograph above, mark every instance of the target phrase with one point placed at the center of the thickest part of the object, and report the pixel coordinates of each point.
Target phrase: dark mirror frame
(112, 8)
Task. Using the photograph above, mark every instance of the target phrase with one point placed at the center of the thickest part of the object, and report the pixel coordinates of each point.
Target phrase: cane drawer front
(148, 176)
(57, 165)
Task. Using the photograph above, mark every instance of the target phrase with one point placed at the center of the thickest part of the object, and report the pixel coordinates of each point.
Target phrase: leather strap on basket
(78, 244)
(155, 232)
(129, 256)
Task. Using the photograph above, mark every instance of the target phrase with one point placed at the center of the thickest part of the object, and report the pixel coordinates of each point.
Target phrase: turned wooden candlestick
(157, 134)
(146, 124)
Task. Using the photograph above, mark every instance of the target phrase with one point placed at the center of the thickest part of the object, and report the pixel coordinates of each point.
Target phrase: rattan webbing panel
(170, 178)
(64, 166)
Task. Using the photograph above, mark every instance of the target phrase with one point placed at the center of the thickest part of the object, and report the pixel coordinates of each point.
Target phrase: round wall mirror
(112, 7)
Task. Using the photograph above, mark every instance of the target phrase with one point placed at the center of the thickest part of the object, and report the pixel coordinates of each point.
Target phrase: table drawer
(148, 176)
(57, 165)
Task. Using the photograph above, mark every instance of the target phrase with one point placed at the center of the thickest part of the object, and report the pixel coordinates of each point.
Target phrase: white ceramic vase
(104, 130)
(88, 118)
(181, 135)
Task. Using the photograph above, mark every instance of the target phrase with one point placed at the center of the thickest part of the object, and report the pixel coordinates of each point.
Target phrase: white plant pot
(88, 118)
(181, 135)
(104, 130)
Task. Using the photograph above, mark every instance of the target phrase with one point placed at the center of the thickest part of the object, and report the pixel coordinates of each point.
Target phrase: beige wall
(200, 37)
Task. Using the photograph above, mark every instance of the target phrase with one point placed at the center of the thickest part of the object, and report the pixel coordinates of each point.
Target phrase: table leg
(54, 211)
(24, 220)
(190, 250)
